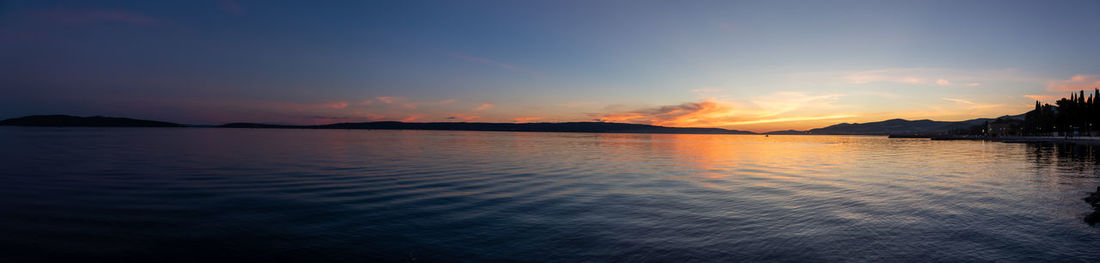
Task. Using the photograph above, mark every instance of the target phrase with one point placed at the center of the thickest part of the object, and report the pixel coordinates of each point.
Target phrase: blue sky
(752, 65)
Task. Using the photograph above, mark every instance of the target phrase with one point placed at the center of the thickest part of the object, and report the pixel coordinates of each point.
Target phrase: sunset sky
(755, 65)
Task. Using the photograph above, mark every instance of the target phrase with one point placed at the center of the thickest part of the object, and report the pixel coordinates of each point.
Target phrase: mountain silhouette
(887, 127)
(901, 126)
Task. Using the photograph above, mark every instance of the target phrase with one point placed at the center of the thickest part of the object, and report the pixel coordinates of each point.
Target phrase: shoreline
(1088, 140)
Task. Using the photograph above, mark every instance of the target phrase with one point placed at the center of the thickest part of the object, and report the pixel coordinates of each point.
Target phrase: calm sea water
(180, 194)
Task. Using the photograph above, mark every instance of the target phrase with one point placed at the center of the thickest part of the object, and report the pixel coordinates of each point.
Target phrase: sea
(221, 194)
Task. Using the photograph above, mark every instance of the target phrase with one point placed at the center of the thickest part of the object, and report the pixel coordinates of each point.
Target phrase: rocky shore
(1094, 200)
(1013, 139)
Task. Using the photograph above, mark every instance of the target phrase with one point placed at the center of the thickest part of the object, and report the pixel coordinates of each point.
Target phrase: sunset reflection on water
(440, 195)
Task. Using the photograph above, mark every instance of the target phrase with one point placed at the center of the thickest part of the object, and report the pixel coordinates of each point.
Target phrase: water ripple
(196, 194)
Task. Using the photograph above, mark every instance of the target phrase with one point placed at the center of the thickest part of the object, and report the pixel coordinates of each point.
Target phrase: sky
(745, 65)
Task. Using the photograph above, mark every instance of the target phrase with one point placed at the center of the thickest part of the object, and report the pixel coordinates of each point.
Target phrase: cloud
(412, 117)
(336, 105)
(526, 119)
(706, 90)
(881, 94)
(1075, 83)
(482, 107)
(885, 75)
(789, 119)
(776, 107)
(686, 114)
(448, 101)
(386, 100)
(974, 106)
(83, 17)
(925, 76)
(464, 117)
(578, 104)
(400, 101)
(960, 101)
(1041, 98)
(785, 102)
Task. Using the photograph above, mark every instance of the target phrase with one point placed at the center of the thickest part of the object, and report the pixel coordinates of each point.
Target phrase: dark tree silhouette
(1076, 115)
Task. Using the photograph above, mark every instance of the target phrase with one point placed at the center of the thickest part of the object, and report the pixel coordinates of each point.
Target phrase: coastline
(1088, 140)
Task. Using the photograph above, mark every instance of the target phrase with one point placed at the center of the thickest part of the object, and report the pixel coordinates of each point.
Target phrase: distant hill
(887, 127)
(74, 121)
(786, 132)
(595, 127)
(901, 127)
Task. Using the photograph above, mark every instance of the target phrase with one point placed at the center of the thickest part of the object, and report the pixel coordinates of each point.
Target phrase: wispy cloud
(526, 119)
(413, 117)
(1044, 98)
(960, 101)
(792, 119)
(386, 100)
(464, 117)
(336, 105)
(921, 76)
(705, 90)
(773, 108)
(973, 106)
(578, 104)
(1075, 83)
(910, 76)
(482, 107)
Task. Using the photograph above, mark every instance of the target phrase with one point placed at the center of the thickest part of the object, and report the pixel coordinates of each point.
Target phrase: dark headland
(74, 121)
(592, 127)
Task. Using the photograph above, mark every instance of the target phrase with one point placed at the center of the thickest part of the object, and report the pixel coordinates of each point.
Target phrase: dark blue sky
(755, 65)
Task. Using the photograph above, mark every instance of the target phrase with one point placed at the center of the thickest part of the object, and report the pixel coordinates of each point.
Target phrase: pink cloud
(82, 17)
(413, 117)
(464, 117)
(336, 105)
(386, 100)
(526, 119)
(485, 106)
(1075, 83)
(1041, 98)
